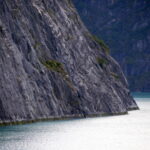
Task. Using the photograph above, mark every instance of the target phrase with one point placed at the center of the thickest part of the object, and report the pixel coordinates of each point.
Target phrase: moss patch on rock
(101, 43)
(54, 66)
(58, 67)
(114, 75)
(102, 62)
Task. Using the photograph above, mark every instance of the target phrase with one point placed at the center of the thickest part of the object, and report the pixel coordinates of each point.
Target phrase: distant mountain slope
(125, 26)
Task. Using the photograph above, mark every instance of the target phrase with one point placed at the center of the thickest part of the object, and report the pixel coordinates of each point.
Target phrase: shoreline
(66, 117)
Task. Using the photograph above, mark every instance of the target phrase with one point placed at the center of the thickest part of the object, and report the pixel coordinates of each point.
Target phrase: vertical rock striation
(51, 66)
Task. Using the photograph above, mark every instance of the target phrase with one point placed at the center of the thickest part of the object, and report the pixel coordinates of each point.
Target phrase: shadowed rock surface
(51, 67)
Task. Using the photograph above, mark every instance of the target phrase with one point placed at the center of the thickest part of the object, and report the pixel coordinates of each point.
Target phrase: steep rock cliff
(51, 67)
(125, 26)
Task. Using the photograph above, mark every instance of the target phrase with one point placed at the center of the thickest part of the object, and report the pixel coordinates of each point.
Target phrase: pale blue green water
(145, 95)
(127, 132)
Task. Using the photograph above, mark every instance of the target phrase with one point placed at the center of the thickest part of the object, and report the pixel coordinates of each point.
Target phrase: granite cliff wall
(51, 66)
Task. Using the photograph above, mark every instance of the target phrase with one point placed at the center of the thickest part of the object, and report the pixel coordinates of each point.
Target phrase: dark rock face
(125, 26)
(49, 65)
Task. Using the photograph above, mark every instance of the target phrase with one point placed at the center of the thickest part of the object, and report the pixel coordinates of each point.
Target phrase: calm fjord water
(127, 132)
